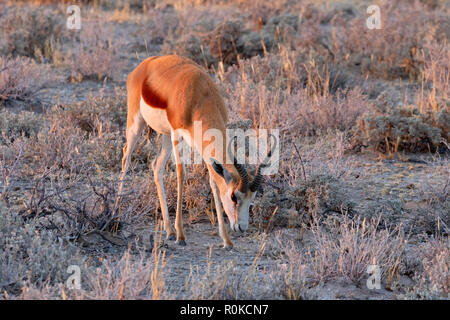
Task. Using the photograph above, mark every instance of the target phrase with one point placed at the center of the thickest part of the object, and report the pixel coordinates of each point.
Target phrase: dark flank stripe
(151, 97)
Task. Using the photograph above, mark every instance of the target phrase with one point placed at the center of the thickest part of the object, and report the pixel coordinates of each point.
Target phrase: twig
(272, 184)
(301, 160)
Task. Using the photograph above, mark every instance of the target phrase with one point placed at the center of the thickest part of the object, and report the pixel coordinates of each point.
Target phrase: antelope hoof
(181, 243)
(228, 247)
(171, 237)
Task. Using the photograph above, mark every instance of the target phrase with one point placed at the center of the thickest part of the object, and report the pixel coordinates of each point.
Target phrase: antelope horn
(243, 181)
(258, 176)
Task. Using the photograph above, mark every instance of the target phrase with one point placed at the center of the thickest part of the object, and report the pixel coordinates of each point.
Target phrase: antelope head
(237, 193)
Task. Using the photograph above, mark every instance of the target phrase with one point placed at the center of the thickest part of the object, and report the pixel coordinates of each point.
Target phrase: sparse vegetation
(96, 54)
(364, 126)
(20, 35)
(21, 79)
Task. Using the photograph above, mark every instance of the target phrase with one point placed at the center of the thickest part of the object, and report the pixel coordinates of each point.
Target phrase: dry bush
(230, 41)
(433, 98)
(295, 206)
(99, 123)
(252, 89)
(401, 129)
(325, 155)
(21, 79)
(129, 277)
(320, 113)
(188, 38)
(215, 34)
(394, 50)
(163, 23)
(77, 206)
(290, 278)
(30, 254)
(190, 46)
(258, 29)
(34, 263)
(123, 278)
(205, 285)
(310, 97)
(15, 125)
(30, 31)
(10, 160)
(96, 56)
(228, 281)
(338, 249)
(310, 181)
(351, 247)
(222, 41)
(58, 146)
(72, 135)
(199, 19)
(435, 76)
(421, 127)
(433, 280)
(432, 215)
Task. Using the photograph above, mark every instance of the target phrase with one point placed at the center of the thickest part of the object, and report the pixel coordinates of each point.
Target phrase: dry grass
(358, 245)
(20, 35)
(96, 54)
(434, 278)
(332, 88)
(372, 52)
(21, 79)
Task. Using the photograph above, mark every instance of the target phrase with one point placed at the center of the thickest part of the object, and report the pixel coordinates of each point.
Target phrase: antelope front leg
(181, 239)
(227, 244)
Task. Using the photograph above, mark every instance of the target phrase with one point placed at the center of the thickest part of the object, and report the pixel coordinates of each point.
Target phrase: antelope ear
(221, 171)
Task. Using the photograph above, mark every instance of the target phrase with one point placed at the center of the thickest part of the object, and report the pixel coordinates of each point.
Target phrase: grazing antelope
(169, 93)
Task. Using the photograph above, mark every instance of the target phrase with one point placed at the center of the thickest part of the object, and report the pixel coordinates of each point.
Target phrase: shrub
(226, 42)
(392, 51)
(401, 129)
(21, 79)
(233, 283)
(432, 213)
(127, 278)
(96, 55)
(190, 46)
(230, 41)
(222, 41)
(30, 31)
(319, 113)
(352, 248)
(433, 280)
(15, 125)
(320, 195)
(31, 254)
(311, 97)
(164, 22)
(435, 78)
(10, 161)
(91, 129)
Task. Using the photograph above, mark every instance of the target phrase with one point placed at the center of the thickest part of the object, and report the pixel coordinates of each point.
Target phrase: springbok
(169, 93)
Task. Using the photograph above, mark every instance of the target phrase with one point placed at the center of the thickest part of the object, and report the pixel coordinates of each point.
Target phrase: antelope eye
(233, 198)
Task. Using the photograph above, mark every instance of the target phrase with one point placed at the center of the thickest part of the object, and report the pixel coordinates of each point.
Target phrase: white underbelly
(156, 118)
